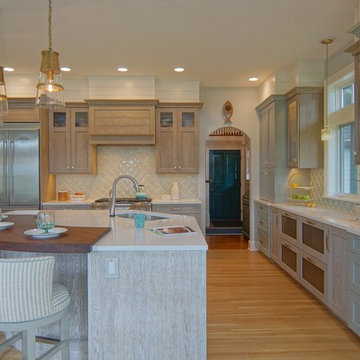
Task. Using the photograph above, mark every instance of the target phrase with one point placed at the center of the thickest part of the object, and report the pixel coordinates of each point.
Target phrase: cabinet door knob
(179, 167)
(73, 167)
(175, 167)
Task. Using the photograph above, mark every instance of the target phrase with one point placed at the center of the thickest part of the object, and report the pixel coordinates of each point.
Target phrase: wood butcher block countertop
(76, 240)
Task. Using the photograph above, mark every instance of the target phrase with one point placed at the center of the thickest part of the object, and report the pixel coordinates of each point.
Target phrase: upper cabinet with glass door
(69, 147)
(305, 121)
(177, 138)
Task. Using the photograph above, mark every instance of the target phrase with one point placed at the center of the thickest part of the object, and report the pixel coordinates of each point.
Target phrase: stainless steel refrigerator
(19, 166)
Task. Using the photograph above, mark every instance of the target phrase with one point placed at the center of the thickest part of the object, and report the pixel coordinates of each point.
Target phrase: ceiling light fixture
(326, 131)
(253, 79)
(49, 88)
(3, 98)
(9, 69)
(179, 69)
(64, 68)
(122, 69)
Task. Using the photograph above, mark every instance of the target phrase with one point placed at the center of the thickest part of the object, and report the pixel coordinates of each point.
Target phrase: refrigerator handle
(11, 163)
(5, 168)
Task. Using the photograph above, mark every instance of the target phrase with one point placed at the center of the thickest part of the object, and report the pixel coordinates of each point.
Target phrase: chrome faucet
(113, 191)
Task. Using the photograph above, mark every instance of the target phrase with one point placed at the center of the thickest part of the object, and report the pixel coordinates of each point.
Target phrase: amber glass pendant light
(3, 98)
(50, 93)
(326, 133)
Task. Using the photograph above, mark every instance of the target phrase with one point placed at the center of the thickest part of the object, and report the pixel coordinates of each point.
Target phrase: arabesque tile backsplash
(137, 161)
(317, 182)
(315, 178)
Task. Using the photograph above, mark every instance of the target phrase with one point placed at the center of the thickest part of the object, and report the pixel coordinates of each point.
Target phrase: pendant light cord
(326, 85)
(49, 26)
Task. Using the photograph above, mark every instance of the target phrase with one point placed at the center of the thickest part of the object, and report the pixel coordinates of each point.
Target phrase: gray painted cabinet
(305, 121)
(273, 164)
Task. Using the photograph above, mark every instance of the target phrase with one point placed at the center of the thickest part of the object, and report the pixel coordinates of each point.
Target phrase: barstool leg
(28, 344)
(64, 335)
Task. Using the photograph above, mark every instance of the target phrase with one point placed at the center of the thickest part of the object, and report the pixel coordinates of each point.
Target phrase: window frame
(337, 116)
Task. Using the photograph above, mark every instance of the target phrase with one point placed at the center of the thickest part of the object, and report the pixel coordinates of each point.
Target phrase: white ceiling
(219, 42)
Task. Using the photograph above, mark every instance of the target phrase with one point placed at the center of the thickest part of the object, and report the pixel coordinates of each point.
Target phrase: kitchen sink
(148, 217)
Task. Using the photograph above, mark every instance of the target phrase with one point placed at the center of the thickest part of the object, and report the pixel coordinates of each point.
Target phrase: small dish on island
(42, 234)
(5, 224)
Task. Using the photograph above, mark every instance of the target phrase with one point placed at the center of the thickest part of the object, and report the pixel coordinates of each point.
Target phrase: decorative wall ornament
(228, 112)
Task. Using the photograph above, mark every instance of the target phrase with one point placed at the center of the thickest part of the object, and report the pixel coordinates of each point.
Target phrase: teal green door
(224, 168)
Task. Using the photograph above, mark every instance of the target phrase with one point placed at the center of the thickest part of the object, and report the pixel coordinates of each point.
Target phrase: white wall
(244, 101)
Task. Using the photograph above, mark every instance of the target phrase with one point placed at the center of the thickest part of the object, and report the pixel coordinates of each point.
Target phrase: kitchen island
(146, 294)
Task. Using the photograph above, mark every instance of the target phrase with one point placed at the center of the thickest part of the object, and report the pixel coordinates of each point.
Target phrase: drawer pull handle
(175, 209)
(261, 208)
(310, 222)
(310, 260)
(286, 214)
(287, 246)
(260, 222)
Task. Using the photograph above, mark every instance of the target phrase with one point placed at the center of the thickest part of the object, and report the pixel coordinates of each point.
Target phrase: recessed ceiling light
(122, 69)
(10, 69)
(253, 79)
(179, 69)
(65, 68)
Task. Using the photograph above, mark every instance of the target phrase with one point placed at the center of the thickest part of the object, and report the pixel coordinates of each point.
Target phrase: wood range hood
(122, 122)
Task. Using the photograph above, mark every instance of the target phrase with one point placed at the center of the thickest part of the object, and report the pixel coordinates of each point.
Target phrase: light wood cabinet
(305, 121)
(69, 148)
(177, 138)
(122, 122)
(354, 49)
(179, 209)
(273, 164)
(22, 110)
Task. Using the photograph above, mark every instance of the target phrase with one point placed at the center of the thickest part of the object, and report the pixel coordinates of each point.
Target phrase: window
(347, 95)
(347, 167)
(341, 173)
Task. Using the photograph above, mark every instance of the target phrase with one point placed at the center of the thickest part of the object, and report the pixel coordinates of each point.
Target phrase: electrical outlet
(111, 268)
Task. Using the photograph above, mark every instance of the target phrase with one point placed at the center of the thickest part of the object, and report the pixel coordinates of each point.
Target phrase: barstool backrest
(26, 288)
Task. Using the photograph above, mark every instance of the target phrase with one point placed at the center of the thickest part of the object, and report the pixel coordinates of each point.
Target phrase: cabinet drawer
(314, 239)
(354, 313)
(262, 219)
(262, 239)
(354, 272)
(288, 227)
(177, 209)
(314, 275)
(289, 258)
(355, 243)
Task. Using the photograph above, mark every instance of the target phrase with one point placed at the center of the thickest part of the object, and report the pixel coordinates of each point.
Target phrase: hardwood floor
(256, 311)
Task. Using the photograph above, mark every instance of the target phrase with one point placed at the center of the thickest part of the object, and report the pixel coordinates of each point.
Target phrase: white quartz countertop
(123, 235)
(176, 202)
(339, 219)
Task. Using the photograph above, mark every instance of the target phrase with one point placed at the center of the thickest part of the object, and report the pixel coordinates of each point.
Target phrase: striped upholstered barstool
(28, 300)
